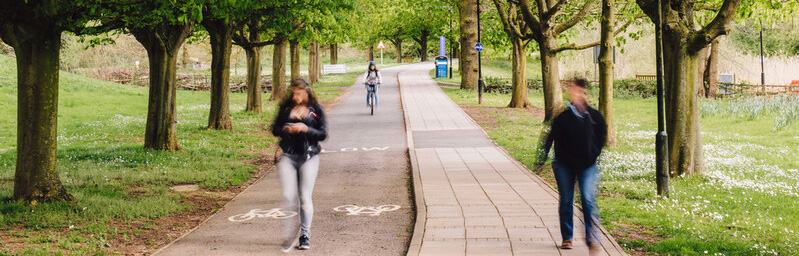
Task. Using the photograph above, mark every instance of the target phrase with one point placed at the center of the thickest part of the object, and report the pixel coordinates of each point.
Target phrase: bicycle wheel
(373, 102)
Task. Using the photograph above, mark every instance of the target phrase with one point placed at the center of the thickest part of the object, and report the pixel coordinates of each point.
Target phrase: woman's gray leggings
(297, 176)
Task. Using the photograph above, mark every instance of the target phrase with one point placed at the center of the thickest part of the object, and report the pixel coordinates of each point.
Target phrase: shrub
(634, 88)
(503, 85)
(497, 85)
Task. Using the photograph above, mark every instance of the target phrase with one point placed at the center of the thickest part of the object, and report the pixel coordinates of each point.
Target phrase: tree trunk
(37, 49)
(550, 76)
(294, 55)
(318, 63)
(606, 66)
(704, 54)
(221, 36)
(681, 48)
(519, 78)
(423, 44)
(254, 93)
(467, 10)
(682, 110)
(398, 49)
(711, 74)
(162, 44)
(185, 59)
(254, 90)
(279, 88)
(370, 55)
(333, 53)
(313, 58)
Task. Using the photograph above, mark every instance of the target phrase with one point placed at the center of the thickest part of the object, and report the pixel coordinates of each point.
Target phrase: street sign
(596, 54)
(478, 47)
(442, 46)
(380, 45)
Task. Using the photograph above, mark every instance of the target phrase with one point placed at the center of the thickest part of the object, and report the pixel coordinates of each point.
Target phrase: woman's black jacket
(305, 143)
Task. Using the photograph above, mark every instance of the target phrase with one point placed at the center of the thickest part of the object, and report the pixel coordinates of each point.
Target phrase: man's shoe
(593, 248)
(567, 244)
(304, 244)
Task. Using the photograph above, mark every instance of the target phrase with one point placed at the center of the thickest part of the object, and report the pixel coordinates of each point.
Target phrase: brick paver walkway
(472, 198)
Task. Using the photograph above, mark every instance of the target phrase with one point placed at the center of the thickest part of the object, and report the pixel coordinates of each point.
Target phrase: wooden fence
(731, 89)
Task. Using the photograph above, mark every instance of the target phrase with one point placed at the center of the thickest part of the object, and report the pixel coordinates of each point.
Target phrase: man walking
(579, 133)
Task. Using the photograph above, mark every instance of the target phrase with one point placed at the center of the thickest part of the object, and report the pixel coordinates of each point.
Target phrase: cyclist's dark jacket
(301, 144)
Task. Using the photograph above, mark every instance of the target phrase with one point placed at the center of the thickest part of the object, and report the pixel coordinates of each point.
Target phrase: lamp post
(661, 139)
(479, 60)
(762, 60)
(451, 45)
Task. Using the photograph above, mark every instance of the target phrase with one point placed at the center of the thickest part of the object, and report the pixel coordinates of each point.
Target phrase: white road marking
(374, 148)
(366, 210)
(355, 149)
(275, 213)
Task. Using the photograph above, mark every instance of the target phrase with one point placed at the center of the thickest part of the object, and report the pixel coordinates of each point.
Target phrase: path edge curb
(415, 247)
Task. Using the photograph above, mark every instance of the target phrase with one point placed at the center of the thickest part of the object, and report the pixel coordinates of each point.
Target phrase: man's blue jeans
(587, 180)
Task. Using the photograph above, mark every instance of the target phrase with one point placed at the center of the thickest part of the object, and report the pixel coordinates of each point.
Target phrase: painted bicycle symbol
(275, 213)
(366, 210)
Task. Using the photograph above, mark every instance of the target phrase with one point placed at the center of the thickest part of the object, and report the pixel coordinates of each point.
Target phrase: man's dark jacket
(578, 140)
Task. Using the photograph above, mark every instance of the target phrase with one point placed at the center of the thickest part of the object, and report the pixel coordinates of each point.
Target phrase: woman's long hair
(298, 83)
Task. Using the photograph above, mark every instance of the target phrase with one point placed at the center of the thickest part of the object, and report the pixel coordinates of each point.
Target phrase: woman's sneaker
(304, 245)
(287, 245)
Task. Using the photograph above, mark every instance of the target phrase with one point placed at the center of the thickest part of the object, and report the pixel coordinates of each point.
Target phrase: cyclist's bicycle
(370, 97)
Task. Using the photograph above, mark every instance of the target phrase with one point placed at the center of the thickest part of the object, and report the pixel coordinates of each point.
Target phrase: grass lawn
(745, 203)
(123, 191)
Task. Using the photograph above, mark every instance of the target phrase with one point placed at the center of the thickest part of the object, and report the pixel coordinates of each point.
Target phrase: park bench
(407, 59)
(646, 77)
(334, 69)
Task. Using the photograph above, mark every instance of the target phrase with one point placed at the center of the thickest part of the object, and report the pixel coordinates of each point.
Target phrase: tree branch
(510, 28)
(589, 4)
(103, 28)
(718, 27)
(573, 46)
(704, 7)
(245, 43)
(649, 7)
(554, 9)
(527, 14)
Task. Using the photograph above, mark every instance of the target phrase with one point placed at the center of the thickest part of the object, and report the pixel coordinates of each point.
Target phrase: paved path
(364, 163)
(472, 198)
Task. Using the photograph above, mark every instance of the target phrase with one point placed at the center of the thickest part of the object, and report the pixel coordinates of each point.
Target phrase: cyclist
(372, 80)
(300, 124)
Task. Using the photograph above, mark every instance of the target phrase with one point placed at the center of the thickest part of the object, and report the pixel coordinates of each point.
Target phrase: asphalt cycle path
(362, 201)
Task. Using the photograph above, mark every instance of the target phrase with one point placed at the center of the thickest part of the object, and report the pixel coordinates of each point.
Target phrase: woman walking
(300, 124)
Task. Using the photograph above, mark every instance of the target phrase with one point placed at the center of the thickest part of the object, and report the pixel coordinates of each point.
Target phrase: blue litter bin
(441, 66)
